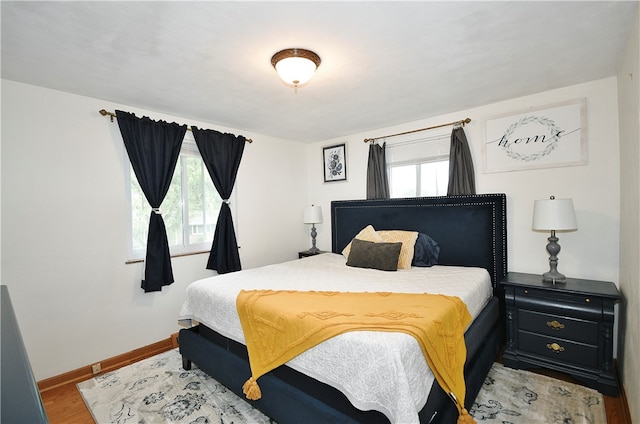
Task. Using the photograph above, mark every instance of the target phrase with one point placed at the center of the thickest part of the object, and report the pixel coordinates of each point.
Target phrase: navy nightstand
(565, 327)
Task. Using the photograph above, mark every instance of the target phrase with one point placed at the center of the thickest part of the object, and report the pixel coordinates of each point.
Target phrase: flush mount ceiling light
(295, 66)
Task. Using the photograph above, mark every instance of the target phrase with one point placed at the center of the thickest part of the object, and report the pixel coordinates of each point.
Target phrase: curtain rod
(461, 122)
(113, 115)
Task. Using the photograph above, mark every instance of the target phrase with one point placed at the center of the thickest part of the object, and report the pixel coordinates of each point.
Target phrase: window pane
(189, 210)
(171, 210)
(203, 200)
(403, 181)
(434, 178)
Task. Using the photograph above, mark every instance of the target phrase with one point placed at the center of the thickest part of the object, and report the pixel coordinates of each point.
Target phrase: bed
(471, 234)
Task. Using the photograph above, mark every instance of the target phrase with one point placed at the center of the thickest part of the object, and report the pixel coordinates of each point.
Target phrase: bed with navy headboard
(471, 231)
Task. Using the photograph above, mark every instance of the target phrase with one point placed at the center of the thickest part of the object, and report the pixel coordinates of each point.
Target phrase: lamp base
(554, 277)
(314, 250)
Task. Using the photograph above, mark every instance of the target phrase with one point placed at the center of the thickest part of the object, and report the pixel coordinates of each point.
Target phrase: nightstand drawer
(558, 349)
(586, 307)
(558, 326)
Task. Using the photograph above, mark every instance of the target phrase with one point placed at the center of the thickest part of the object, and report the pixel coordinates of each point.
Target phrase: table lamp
(313, 215)
(554, 215)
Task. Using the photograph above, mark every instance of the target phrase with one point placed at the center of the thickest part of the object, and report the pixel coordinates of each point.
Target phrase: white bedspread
(384, 371)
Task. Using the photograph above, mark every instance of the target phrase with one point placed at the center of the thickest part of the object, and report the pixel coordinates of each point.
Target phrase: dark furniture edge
(21, 401)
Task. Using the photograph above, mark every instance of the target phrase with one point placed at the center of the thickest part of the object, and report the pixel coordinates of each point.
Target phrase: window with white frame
(189, 210)
(419, 167)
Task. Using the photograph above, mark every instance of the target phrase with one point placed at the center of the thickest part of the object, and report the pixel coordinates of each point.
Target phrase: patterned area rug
(158, 390)
(516, 396)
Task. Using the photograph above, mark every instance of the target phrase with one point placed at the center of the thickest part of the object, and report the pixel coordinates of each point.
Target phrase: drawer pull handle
(555, 325)
(587, 300)
(555, 347)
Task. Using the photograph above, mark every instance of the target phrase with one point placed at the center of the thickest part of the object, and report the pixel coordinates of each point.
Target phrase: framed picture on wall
(334, 159)
(544, 137)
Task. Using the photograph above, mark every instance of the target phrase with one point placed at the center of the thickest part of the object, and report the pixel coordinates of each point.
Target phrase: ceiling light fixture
(295, 66)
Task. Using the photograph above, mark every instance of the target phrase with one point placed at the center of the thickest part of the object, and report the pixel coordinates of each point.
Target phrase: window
(419, 167)
(189, 210)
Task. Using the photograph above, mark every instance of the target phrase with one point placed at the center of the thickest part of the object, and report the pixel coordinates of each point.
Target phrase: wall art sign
(546, 137)
(335, 163)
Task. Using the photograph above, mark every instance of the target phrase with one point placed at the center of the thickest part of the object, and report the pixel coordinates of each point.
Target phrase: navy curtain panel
(462, 178)
(221, 154)
(377, 180)
(153, 148)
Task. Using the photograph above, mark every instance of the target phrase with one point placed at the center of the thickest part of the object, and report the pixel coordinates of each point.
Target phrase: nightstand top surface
(307, 253)
(572, 285)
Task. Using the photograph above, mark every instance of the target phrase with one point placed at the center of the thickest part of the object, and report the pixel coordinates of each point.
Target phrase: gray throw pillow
(367, 254)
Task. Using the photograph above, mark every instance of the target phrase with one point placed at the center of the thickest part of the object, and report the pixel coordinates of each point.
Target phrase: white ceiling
(383, 63)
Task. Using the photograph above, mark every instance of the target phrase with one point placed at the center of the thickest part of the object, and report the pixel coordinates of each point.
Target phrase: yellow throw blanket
(279, 325)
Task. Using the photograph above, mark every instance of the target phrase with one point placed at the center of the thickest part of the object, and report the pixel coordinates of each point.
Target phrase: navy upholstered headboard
(471, 230)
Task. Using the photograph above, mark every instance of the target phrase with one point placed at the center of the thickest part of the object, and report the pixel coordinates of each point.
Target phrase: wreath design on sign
(554, 132)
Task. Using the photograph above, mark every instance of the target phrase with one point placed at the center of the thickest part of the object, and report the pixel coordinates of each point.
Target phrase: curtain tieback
(156, 210)
(227, 201)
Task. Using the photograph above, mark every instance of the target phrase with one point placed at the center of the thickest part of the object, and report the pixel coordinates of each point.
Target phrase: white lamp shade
(312, 215)
(295, 70)
(554, 214)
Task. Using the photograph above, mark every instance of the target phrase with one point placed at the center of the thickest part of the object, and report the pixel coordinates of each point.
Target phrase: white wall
(64, 214)
(629, 99)
(64, 227)
(590, 252)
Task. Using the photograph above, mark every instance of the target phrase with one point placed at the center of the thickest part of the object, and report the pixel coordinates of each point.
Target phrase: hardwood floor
(64, 404)
(617, 410)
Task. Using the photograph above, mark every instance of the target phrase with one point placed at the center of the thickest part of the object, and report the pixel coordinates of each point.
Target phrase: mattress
(383, 371)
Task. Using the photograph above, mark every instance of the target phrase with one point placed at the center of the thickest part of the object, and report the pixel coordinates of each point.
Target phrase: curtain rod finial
(105, 113)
